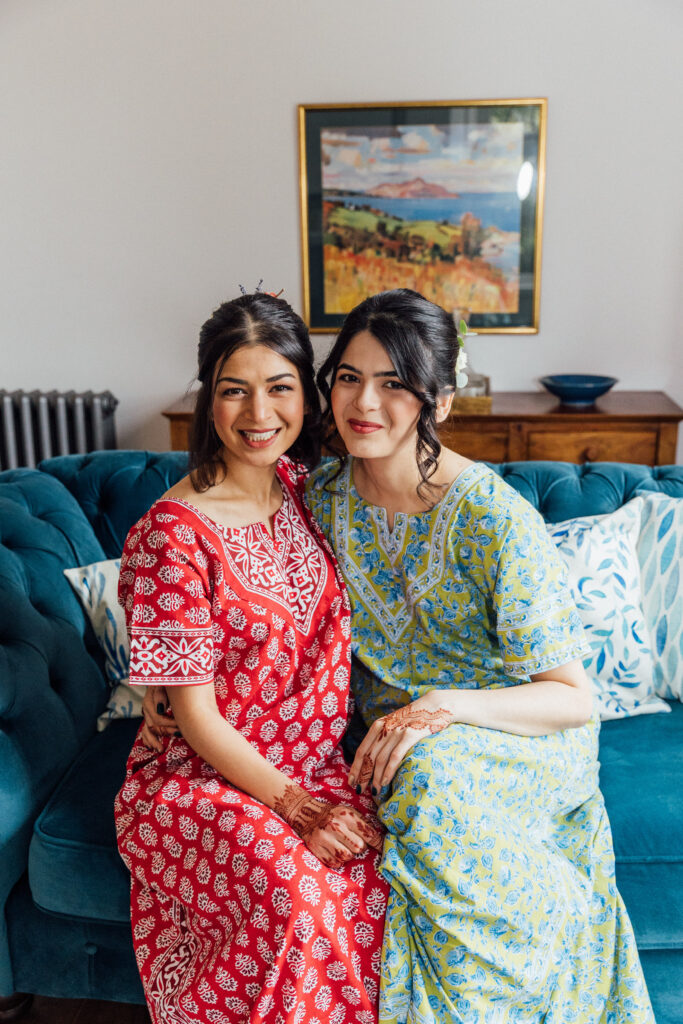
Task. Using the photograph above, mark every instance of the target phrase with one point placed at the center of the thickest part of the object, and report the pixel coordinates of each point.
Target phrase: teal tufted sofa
(64, 891)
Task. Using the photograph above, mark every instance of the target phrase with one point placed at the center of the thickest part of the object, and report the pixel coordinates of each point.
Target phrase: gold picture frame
(445, 197)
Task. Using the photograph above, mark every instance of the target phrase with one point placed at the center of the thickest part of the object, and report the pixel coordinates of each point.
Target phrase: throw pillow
(660, 553)
(601, 555)
(97, 588)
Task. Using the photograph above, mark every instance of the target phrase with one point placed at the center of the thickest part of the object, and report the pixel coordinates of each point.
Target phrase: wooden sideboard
(622, 426)
(179, 417)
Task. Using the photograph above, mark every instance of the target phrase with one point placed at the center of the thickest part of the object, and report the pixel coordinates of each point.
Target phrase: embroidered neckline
(220, 527)
(395, 620)
(292, 547)
(347, 476)
(278, 544)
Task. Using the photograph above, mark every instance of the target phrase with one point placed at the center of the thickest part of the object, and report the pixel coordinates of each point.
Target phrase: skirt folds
(503, 906)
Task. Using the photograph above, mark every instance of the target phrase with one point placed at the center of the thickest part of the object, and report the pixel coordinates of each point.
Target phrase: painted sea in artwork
(431, 207)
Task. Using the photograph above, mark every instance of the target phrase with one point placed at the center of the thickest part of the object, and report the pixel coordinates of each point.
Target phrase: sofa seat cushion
(75, 869)
(74, 865)
(640, 777)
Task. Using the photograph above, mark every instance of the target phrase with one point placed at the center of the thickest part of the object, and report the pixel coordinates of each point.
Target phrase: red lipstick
(363, 426)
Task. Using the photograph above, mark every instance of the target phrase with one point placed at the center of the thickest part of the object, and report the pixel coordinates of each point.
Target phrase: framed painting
(445, 198)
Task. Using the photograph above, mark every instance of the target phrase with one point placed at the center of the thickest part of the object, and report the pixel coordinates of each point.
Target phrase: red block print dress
(234, 919)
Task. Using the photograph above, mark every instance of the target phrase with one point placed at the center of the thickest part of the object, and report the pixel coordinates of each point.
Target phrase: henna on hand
(302, 811)
(306, 813)
(372, 836)
(355, 822)
(409, 717)
(366, 771)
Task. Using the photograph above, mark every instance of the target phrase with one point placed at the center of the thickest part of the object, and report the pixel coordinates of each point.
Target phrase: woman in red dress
(255, 895)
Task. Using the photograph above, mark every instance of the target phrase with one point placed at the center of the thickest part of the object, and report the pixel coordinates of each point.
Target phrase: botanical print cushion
(660, 553)
(97, 588)
(601, 555)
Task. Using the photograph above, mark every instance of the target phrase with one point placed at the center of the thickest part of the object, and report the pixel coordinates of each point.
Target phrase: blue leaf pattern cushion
(97, 588)
(601, 555)
(660, 554)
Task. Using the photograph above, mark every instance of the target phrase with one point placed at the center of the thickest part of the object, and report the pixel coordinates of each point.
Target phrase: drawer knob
(591, 454)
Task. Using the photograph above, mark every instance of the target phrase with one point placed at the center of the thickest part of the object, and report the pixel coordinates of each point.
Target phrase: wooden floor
(83, 1011)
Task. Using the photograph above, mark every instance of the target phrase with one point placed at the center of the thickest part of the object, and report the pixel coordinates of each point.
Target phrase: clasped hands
(334, 833)
(157, 723)
(389, 739)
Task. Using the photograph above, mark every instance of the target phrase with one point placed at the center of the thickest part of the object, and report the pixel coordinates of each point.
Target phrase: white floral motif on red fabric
(234, 919)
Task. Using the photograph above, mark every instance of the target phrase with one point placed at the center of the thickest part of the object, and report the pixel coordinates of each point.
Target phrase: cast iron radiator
(35, 425)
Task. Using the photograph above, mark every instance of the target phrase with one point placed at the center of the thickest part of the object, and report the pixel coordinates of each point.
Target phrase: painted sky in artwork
(460, 158)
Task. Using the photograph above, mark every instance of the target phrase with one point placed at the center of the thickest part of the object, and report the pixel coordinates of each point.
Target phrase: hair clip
(257, 290)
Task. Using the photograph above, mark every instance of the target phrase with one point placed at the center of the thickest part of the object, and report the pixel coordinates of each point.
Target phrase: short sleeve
(165, 593)
(537, 624)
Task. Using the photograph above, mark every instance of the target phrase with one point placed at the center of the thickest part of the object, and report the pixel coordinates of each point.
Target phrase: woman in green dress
(482, 741)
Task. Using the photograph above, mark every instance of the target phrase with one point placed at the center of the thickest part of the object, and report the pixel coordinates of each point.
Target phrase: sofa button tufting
(90, 948)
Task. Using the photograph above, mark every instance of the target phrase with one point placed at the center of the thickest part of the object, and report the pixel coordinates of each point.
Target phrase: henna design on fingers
(372, 836)
(356, 844)
(366, 770)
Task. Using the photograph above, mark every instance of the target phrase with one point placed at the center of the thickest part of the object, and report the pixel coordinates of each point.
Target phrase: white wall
(149, 165)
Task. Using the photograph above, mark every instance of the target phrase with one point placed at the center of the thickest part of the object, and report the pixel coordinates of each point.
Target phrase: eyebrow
(269, 380)
(383, 373)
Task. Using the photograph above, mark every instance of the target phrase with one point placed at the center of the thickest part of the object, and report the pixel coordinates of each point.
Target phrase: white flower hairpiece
(461, 377)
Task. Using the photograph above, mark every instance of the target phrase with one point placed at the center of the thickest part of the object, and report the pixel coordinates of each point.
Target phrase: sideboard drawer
(594, 446)
(477, 440)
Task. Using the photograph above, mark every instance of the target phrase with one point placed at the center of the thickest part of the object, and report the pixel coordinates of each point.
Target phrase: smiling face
(375, 414)
(258, 405)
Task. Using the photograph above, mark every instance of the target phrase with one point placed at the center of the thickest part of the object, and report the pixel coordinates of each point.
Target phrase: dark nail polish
(160, 708)
(374, 791)
(358, 790)
(177, 732)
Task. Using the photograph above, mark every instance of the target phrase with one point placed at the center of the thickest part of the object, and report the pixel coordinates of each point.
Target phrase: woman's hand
(335, 833)
(157, 722)
(389, 739)
(342, 835)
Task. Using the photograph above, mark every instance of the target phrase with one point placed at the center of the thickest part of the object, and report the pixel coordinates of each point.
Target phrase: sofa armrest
(51, 692)
(22, 796)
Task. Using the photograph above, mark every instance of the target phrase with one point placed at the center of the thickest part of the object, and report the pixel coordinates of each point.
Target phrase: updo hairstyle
(257, 319)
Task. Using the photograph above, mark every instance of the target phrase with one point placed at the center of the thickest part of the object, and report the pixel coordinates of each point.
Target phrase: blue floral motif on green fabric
(503, 907)
(470, 594)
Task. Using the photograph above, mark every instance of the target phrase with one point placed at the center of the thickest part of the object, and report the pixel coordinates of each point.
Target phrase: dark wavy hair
(258, 319)
(421, 340)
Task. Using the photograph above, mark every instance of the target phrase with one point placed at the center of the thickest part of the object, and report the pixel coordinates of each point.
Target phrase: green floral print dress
(503, 905)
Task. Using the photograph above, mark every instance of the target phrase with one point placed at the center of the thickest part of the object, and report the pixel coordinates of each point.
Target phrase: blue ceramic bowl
(577, 388)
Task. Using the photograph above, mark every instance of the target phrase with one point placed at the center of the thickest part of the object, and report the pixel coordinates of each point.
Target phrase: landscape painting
(444, 199)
